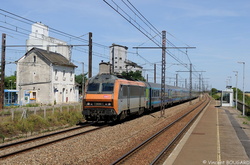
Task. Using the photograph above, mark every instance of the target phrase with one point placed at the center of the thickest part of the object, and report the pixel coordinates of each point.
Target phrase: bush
(8, 129)
(216, 97)
(32, 105)
(25, 126)
(36, 123)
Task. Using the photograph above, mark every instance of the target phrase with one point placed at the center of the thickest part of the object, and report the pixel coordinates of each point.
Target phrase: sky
(218, 29)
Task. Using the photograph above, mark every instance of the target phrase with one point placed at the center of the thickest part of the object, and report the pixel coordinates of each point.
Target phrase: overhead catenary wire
(141, 17)
(23, 31)
(138, 27)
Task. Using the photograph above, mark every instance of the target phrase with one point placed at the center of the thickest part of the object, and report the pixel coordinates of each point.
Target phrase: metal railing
(240, 107)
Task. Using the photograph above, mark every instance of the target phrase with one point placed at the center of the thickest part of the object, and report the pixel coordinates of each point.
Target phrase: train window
(93, 87)
(155, 93)
(125, 90)
(169, 93)
(107, 87)
(143, 91)
(134, 91)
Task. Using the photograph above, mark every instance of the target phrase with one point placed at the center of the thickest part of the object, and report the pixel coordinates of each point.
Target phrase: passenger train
(109, 97)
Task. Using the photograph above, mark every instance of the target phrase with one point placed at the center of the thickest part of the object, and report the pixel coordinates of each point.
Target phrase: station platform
(220, 135)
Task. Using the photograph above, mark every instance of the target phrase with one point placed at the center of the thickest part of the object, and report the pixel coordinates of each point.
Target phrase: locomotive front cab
(99, 99)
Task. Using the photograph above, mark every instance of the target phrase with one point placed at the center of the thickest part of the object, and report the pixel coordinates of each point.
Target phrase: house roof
(54, 58)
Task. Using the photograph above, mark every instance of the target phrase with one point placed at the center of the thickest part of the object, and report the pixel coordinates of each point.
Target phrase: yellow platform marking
(218, 138)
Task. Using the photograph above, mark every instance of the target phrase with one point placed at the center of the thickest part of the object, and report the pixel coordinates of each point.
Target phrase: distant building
(46, 77)
(118, 55)
(40, 38)
(227, 97)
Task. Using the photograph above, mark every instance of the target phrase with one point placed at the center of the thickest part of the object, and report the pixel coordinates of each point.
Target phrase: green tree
(240, 96)
(79, 78)
(215, 94)
(137, 75)
(214, 91)
(10, 82)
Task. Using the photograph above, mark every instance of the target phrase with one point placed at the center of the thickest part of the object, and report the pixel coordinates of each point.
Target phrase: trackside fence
(240, 108)
(43, 111)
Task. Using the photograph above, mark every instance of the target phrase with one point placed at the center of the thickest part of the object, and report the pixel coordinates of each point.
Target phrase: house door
(63, 95)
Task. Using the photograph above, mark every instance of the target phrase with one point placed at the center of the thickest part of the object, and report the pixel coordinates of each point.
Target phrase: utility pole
(185, 83)
(83, 85)
(190, 88)
(2, 71)
(199, 83)
(243, 111)
(176, 80)
(154, 73)
(190, 81)
(236, 95)
(200, 86)
(163, 71)
(90, 54)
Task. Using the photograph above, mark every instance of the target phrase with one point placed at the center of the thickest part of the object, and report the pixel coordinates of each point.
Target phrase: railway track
(152, 150)
(11, 149)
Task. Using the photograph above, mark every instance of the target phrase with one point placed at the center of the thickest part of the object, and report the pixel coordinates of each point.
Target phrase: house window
(34, 58)
(120, 58)
(63, 72)
(56, 72)
(34, 94)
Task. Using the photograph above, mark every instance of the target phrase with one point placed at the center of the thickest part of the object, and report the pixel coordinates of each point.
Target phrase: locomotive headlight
(107, 104)
(88, 103)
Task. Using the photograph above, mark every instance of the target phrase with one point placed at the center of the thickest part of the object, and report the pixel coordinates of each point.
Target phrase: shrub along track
(11, 149)
(151, 150)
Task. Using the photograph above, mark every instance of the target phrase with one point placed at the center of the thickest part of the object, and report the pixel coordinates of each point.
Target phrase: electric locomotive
(108, 98)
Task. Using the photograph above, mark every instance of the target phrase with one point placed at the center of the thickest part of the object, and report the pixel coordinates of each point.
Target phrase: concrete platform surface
(220, 136)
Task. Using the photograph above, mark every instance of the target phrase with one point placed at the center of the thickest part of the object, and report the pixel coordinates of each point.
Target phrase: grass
(37, 123)
(248, 118)
(244, 122)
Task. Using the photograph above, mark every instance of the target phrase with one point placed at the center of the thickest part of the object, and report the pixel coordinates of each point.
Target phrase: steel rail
(168, 147)
(50, 142)
(41, 137)
(123, 157)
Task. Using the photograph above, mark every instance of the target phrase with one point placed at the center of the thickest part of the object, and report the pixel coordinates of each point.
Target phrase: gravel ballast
(100, 147)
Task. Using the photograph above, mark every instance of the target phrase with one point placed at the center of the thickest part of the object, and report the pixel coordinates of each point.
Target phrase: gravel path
(100, 147)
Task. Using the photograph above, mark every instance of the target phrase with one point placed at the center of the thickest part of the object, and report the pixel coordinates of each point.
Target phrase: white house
(46, 77)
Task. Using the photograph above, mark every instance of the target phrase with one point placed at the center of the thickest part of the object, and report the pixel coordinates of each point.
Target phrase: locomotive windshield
(93, 87)
(105, 88)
